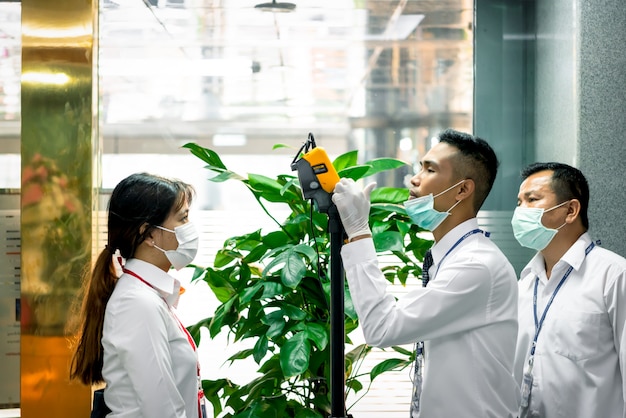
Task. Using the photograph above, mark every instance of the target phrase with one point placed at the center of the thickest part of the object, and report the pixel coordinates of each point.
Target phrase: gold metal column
(59, 150)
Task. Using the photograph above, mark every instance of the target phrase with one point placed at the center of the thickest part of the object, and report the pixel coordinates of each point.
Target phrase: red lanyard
(201, 412)
(189, 337)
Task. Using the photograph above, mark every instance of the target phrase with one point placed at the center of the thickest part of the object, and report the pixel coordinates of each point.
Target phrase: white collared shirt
(580, 358)
(467, 317)
(150, 367)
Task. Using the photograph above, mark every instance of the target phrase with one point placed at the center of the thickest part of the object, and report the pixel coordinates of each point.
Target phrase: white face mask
(188, 240)
(528, 229)
(422, 210)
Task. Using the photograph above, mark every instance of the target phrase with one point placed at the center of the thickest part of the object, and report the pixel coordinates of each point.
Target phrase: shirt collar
(574, 256)
(167, 286)
(440, 248)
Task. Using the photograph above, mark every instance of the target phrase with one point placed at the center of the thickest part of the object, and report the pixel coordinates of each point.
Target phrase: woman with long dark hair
(130, 337)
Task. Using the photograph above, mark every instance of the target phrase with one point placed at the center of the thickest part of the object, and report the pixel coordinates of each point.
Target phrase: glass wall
(504, 108)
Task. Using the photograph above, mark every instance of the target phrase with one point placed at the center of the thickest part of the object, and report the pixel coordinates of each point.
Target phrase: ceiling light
(275, 6)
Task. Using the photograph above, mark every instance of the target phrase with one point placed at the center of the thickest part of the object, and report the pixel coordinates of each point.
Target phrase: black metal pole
(337, 332)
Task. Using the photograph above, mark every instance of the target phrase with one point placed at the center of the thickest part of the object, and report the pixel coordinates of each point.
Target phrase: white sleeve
(455, 301)
(615, 299)
(140, 336)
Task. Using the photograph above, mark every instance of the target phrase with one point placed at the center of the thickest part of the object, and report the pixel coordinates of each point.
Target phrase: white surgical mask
(188, 240)
(528, 229)
(423, 213)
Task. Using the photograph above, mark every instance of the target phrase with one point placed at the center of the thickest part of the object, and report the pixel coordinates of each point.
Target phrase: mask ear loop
(454, 206)
(557, 206)
(554, 207)
(449, 188)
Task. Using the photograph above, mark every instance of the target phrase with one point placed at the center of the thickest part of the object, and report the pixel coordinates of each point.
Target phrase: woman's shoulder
(133, 297)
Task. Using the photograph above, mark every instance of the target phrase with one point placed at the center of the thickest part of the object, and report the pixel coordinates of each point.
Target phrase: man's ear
(466, 189)
(573, 211)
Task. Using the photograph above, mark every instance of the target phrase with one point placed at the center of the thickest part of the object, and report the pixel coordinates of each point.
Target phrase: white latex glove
(353, 205)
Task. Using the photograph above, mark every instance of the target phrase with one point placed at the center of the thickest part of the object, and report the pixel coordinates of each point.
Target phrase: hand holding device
(353, 205)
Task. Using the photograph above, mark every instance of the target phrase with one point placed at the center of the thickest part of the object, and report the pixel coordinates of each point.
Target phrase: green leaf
(354, 384)
(294, 355)
(348, 305)
(256, 254)
(306, 250)
(208, 156)
(241, 355)
(384, 164)
(291, 311)
(292, 271)
(226, 175)
(388, 241)
(219, 284)
(260, 182)
(275, 239)
(276, 324)
(388, 208)
(387, 365)
(269, 189)
(220, 314)
(194, 329)
(389, 195)
(346, 160)
(249, 292)
(271, 289)
(214, 162)
(211, 389)
(279, 146)
(225, 257)
(260, 349)
(198, 273)
(318, 334)
(403, 350)
(355, 173)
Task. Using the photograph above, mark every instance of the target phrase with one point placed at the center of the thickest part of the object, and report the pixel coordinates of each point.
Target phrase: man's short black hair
(476, 160)
(567, 183)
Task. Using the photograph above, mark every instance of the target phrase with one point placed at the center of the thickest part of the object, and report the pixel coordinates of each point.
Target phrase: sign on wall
(9, 308)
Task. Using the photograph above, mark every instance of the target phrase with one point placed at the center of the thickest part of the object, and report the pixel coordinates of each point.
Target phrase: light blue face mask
(528, 229)
(423, 213)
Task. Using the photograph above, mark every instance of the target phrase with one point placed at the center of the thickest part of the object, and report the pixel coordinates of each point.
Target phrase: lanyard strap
(456, 244)
(539, 323)
(420, 344)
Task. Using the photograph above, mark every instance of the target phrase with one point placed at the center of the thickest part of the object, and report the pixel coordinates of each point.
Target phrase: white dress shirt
(150, 367)
(580, 357)
(467, 316)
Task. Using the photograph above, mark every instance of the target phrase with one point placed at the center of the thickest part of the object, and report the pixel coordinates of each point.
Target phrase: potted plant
(274, 292)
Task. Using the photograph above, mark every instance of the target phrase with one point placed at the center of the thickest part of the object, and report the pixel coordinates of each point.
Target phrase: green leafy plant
(274, 290)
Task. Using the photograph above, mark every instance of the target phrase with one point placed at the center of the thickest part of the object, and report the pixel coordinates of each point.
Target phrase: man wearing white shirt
(466, 315)
(571, 358)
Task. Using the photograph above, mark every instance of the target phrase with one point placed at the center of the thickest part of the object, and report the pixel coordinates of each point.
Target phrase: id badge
(201, 400)
(417, 385)
(527, 383)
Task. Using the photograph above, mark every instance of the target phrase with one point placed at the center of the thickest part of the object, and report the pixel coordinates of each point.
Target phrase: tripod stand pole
(337, 332)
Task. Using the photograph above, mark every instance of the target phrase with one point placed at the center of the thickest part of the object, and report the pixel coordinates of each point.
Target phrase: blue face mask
(528, 229)
(423, 213)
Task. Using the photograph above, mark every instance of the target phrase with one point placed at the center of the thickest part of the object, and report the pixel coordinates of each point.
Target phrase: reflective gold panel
(57, 158)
